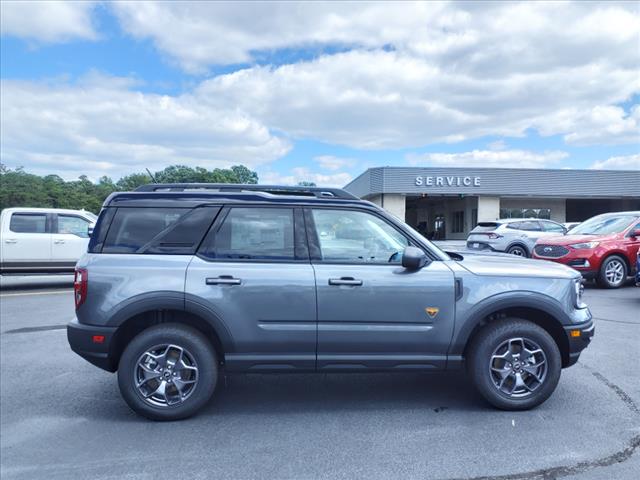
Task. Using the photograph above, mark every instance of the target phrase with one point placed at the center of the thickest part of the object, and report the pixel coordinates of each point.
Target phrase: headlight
(588, 245)
(579, 290)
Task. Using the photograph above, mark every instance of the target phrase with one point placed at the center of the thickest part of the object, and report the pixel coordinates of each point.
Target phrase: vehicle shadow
(286, 394)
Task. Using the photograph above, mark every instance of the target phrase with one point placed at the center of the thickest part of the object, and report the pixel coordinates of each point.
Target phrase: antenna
(153, 179)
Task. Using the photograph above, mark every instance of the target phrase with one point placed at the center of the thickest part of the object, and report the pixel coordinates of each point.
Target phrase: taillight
(80, 284)
(494, 235)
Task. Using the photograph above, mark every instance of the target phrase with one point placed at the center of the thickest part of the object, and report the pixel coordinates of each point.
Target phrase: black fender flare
(172, 300)
(501, 301)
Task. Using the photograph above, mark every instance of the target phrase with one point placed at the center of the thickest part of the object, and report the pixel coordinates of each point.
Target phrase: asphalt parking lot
(62, 418)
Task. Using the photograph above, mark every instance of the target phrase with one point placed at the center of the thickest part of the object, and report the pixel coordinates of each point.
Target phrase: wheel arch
(138, 317)
(541, 312)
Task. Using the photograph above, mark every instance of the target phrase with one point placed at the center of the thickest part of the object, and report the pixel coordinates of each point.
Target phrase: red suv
(604, 247)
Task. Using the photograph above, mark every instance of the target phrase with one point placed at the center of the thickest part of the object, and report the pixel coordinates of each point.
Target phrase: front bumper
(579, 336)
(92, 343)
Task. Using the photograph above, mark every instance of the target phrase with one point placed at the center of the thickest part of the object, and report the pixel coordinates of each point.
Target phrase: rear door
(69, 238)
(26, 241)
(372, 313)
(253, 273)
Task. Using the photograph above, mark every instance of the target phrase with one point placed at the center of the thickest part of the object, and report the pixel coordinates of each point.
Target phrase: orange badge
(432, 311)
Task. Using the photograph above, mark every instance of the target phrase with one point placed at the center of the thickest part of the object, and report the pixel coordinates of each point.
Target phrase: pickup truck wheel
(514, 364)
(168, 372)
(613, 272)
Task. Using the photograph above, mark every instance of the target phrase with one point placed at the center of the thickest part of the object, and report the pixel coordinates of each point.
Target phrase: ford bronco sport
(184, 281)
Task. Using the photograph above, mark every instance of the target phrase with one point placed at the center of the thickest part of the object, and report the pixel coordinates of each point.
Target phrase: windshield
(603, 225)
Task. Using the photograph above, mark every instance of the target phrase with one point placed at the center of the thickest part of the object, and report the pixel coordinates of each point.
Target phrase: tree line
(21, 189)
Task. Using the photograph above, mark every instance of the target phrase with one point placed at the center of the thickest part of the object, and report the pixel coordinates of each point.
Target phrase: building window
(544, 213)
(458, 222)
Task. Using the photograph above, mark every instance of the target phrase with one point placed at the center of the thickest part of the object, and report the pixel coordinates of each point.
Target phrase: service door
(372, 313)
(254, 275)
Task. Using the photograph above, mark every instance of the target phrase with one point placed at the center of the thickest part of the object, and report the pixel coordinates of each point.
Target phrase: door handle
(345, 281)
(58, 242)
(11, 240)
(223, 280)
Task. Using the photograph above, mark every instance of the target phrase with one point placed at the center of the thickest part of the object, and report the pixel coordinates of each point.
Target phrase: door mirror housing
(90, 230)
(414, 259)
(634, 233)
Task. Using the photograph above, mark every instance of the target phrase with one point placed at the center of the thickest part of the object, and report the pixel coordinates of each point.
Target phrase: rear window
(485, 227)
(28, 223)
(158, 230)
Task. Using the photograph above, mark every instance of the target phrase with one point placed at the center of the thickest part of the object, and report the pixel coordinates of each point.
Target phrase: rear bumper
(579, 338)
(92, 343)
(479, 246)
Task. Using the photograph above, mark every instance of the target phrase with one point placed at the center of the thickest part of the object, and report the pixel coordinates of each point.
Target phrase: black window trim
(48, 222)
(314, 243)
(298, 243)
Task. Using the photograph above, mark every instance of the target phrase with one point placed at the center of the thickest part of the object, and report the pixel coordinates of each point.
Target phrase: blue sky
(321, 91)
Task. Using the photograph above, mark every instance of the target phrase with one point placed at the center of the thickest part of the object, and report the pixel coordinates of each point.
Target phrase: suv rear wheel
(613, 272)
(518, 250)
(514, 364)
(168, 372)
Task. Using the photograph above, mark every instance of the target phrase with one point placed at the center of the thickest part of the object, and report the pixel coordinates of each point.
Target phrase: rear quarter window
(158, 230)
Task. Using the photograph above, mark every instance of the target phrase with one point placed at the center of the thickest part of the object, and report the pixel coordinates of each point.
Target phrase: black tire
(518, 251)
(198, 352)
(602, 279)
(479, 362)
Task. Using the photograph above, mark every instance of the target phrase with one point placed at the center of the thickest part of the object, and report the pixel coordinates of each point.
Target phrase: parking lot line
(25, 294)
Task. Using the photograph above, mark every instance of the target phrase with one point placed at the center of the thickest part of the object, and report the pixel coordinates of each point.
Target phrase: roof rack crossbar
(319, 192)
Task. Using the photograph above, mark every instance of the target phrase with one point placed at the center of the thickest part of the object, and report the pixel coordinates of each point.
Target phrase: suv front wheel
(613, 272)
(168, 372)
(514, 364)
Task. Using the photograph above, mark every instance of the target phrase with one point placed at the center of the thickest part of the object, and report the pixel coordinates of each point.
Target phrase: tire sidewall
(197, 345)
(488, 340)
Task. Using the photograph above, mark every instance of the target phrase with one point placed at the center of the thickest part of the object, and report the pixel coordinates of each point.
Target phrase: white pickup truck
(43, 240)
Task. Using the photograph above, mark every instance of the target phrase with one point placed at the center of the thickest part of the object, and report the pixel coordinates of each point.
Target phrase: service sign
(446, 181)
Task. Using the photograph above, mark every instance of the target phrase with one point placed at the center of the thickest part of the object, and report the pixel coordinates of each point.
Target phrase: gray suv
(516, 236)
(184, 281)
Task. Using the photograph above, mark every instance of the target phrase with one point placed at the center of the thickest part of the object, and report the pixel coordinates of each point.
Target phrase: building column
(488, 209)
(395, 204)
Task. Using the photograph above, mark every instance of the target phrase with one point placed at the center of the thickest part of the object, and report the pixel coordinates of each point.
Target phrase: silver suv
(183, 282)
(516, 236)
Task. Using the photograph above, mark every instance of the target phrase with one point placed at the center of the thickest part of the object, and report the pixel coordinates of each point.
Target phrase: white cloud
(48, 21)
(330, 162)
(605, 125)
(101, 127)
(489, 158)
(303, 174)
(627, 162)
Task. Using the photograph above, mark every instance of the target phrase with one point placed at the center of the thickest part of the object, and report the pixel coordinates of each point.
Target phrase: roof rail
(318, 192)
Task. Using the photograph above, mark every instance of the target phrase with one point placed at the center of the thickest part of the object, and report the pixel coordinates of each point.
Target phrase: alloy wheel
(614, 272)
(166, 375)
(518, 367)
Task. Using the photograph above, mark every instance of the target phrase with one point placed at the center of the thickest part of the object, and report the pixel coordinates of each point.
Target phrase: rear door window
(158, 230)
(254, 233)
(28, 223)
(530, 226)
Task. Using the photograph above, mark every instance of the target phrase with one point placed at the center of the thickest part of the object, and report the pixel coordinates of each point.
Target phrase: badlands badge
(432, 311)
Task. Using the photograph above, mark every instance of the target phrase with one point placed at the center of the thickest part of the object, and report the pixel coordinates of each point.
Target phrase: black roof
(193, 194)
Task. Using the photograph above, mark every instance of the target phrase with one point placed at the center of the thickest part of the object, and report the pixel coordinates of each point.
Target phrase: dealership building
(446, 203)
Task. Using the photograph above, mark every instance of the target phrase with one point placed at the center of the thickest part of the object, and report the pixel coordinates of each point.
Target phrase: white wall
(488, 208)
(395, 204)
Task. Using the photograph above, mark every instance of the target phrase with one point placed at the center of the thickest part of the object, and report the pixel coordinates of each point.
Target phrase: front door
(372, 313)
(253, 273)
(70, 238)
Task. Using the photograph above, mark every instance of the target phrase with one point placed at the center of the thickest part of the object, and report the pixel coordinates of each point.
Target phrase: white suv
(516, 236)
(43, 240)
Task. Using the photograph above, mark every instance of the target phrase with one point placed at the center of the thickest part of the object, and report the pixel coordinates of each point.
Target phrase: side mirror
(414, 259)
(90, 230)
(634, 233)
